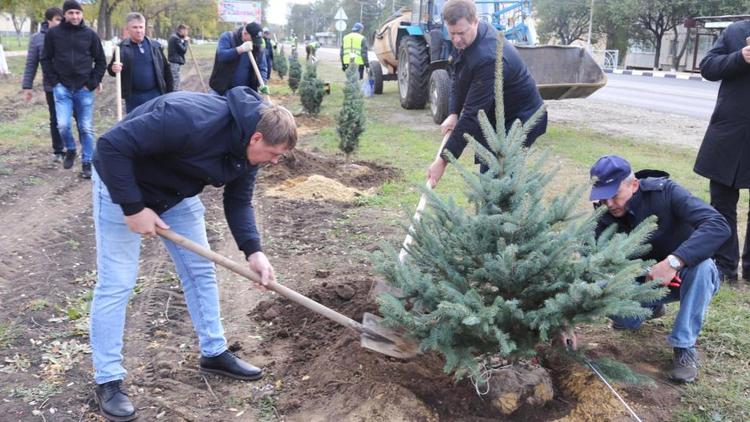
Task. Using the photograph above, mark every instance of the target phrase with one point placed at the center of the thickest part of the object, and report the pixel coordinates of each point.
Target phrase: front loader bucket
(563, 72)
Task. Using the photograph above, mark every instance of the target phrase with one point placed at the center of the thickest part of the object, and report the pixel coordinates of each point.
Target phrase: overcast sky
(277, 10)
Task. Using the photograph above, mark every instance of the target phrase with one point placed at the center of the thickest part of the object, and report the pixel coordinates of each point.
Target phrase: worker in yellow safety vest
(354, 47)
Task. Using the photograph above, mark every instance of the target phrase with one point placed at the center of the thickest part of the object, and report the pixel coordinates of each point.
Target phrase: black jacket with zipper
(161, 67)
(73, 55)
(176, 49)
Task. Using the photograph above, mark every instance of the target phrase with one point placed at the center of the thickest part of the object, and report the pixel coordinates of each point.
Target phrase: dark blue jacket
(724, 155)
(173, 146)
(473, 88)
(686, 227)
(227, 60)
(161, 70)
(33, 57)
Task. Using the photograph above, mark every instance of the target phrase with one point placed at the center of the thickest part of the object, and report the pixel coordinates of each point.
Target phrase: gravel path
(629, 122)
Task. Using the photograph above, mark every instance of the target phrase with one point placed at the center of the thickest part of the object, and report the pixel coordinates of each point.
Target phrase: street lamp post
(591, 21)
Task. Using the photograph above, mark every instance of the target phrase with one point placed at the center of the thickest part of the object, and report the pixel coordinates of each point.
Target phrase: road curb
(654, 74)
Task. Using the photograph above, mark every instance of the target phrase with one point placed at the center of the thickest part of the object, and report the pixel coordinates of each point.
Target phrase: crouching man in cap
(149, 170)
(688, 233)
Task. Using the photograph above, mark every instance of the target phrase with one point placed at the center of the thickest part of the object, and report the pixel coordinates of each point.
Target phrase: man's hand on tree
(259, 263)
(145, 222)
(662, 271)
(448, 124)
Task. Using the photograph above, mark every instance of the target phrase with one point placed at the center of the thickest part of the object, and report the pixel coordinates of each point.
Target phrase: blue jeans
(117, 255)
(82, 102)
(699, 285)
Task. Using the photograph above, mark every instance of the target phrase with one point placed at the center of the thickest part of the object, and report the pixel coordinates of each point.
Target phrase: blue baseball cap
(357, 26)
(609, 172)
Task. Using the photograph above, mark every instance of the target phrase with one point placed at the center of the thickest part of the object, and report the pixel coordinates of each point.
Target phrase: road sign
(341, 15)
(340, 25)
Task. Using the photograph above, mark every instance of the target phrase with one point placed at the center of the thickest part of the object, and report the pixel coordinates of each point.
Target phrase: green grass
(7, 335)
(13, 43)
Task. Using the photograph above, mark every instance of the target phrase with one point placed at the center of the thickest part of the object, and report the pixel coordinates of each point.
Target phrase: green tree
(351, 120)
(512, 270)
(311, 90)
(280, 64)
(295, 70)
(565, 21)
(656, 17)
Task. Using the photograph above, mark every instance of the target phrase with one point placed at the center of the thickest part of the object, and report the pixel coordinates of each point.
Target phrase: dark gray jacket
(171, 147)
(724, 155)
(161, 67)
(176, 49)
(33, 58)
(686, 227)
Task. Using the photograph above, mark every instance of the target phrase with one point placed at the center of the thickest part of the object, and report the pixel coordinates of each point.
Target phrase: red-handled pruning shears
(676, 281)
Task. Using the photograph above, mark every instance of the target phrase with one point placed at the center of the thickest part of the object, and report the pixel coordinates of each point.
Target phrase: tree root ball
(514, 386)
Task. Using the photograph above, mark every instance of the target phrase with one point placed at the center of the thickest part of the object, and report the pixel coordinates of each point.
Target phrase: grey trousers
(175, 68)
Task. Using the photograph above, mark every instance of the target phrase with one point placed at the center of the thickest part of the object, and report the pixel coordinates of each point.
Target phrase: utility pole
(591, 21)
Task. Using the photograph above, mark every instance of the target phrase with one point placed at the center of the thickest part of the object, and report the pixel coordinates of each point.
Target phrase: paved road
(677, 96)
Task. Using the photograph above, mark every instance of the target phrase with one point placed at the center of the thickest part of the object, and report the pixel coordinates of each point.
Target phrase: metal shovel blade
(385, 340)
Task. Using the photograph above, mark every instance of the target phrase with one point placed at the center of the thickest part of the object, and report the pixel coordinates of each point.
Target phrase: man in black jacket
(150, 168)
(145, 70)
(473, 89)
(688, 233)
(73, 62)
(177, 47)
(724, 156)
(52, 18)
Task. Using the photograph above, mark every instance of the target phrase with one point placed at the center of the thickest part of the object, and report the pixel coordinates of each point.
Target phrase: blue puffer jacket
(173, 146)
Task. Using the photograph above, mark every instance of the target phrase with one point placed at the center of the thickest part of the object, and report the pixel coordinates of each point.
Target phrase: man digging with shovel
(149, 169)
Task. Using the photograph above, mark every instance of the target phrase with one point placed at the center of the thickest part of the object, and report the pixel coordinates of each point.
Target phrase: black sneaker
(231, 366)
(684, 364)
(70, 158)
(114, 403)
(86, 170)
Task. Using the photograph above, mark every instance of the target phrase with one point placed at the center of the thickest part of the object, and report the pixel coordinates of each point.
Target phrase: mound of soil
(316, 188)
(360, 174)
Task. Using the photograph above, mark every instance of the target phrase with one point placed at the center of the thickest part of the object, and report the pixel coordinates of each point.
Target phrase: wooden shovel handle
(257, 74)
(118, 84)
(197, 68)
(420, 206)
(246, 272)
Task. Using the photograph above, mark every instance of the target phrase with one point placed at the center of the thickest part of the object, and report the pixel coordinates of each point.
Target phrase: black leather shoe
(114, 402)
(230, 366)
(69, 159)
(86, 170)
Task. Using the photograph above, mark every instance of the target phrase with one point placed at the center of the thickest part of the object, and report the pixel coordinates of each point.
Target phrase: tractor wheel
(376, 74)
(413, 72)
(440, 89)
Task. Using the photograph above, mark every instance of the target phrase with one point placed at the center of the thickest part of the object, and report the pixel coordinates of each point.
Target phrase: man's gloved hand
(245, 47)
(264, 90)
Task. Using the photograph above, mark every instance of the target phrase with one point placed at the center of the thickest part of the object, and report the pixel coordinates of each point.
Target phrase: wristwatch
(674, 262)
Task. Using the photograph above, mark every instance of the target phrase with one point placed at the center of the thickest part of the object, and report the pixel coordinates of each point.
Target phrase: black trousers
(724, 199)
(57, 142)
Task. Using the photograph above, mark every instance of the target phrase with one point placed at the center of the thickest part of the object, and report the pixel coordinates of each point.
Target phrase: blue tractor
(413, 48)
